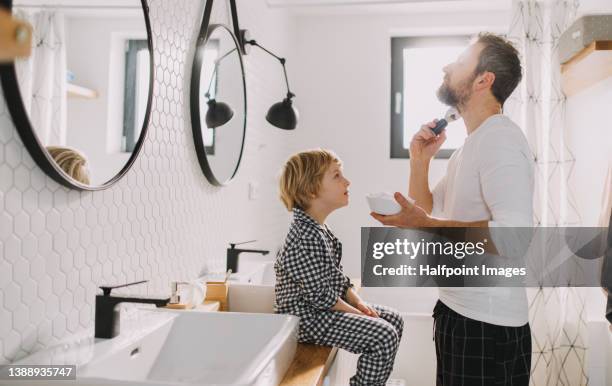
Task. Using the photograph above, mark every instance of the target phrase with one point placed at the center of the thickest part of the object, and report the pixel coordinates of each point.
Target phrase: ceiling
(80, 8)
(388, 6)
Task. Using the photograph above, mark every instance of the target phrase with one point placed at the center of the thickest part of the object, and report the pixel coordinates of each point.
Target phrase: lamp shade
(218, 114)
(283, 115)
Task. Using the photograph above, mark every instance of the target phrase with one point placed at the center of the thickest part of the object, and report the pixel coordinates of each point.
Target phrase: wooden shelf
(310, 365)
(15, 37)
(589, 66)
(75, 91)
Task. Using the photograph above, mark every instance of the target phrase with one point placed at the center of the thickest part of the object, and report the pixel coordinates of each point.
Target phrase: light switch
(253, 191)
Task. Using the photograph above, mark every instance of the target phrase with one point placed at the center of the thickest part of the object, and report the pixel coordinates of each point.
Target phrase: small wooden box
(206, 306)
(218, 291)
(179, 306)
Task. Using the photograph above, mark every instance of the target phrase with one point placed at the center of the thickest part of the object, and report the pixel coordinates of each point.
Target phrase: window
(208, 83)
(136, 93)
(416, 75)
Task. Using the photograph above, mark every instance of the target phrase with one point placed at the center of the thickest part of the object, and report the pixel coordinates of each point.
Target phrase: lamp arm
(212, 77)
(289, 93)
(281, 60)
(220, 58)
(217, 61)
(254, 43)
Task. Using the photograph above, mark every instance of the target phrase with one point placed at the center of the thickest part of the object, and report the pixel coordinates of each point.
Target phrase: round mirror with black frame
(82, 101)
(218, 103)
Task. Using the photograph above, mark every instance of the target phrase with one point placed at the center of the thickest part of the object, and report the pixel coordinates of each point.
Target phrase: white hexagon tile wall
(161, 222)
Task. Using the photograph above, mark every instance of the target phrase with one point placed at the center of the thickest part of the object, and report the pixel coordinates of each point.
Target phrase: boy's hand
(359, 308)
(355, 311)
(355, 301)
(367, 310)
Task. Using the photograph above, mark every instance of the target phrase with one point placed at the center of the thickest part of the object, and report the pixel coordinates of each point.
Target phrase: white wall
(341, 74)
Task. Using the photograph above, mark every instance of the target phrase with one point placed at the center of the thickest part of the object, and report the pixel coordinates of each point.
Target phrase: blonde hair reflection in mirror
(302, 175)
(71, 161)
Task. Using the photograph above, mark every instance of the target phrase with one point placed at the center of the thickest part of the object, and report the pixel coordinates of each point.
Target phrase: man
(482, 335)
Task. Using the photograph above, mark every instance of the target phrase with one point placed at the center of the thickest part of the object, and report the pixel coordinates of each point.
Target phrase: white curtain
(42, 77)
(557, 315)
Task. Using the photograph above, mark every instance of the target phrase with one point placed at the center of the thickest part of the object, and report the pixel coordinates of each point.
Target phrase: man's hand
(411, 215)
(425, 144)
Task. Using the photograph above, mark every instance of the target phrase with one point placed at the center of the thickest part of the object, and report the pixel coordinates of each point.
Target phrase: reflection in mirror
(221, 104)
(85, 88)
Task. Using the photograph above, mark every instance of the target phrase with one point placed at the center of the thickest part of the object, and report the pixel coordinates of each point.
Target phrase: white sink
(253, 291)
(183, 349)
(258, 274)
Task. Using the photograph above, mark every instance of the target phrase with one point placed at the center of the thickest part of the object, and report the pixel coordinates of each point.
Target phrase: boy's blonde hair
(71, 161)
(302, 175)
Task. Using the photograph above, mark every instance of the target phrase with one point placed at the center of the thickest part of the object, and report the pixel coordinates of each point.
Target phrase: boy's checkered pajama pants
(376, 339)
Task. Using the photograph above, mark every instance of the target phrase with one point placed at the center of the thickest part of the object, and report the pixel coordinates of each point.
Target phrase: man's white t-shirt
(489, 178)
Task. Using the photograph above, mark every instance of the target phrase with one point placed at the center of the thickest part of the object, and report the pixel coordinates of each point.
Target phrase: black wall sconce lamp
(218, 113)
(282, 114)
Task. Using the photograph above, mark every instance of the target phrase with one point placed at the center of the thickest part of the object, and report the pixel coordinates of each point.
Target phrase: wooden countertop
(310, 365)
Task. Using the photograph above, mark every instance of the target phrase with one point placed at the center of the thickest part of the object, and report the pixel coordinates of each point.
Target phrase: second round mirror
(218, 104)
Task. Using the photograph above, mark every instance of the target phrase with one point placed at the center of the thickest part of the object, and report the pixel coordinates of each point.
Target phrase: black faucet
(233, 252)
(107, 318)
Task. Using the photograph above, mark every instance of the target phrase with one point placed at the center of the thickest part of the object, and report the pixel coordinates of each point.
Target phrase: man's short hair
(302, 175)
(500, 57)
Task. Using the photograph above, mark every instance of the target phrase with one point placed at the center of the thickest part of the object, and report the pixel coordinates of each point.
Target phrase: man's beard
(448, 96)
(455, 98)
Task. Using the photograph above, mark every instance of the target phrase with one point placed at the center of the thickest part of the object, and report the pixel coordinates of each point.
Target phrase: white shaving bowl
(383, 203)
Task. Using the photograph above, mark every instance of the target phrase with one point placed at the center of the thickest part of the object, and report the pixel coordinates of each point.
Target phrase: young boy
(309, 279)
